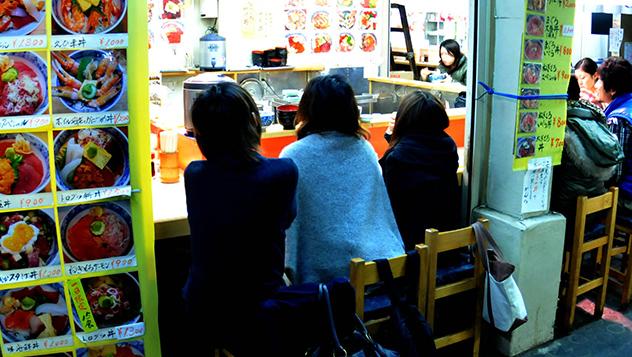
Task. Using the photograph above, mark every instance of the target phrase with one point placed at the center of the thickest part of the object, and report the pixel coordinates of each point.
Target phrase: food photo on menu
(346, 42)
(296, 43)
(531, 73)
(89, 81)
(96, 231)
(525, 147)
(79, 17)
(114, 300)
(23, 17)
(528, 122)
(23, 84)
(122, 349)
(529, 103)
(33, 312)
(535, 25)
(369, 42)
(24, 164)
(28, 239)
(533, 50)
(91, 158)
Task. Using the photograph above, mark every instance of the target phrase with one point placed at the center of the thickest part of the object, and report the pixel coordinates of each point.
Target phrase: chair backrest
(364, 273)
(586, 206)
(441, 242)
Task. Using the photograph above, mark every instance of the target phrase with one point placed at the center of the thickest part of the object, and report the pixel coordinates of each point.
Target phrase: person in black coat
(239, 205)
(420, 169)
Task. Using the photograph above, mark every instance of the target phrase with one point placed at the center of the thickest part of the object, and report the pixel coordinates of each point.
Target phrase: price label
(92, 194)
(24, 122)
(23, 42)
(32, 200)
(113, 333)
(104, 41)
(38, 345)
(22, 275)
(100, 265)
(568, 30)
(90, 119)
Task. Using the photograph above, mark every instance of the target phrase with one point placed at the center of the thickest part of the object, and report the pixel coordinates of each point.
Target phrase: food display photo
(296, 43)
(529, 103)
(369, 42)
(535, 25)
(91, 158)
(528, 122)
(525, 147)
(531, 73)
(23, 84)
(28, 239)
(24, 164)
(114, 300)
(346, 42)
(123, 349)
(89, 17)
(22, 17)
(96, 231)
(34, 312)
(533, 50)
(89, 81)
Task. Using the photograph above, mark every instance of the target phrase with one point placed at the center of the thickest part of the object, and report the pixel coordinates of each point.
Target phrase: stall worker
(452, 62)
(239, 204)
(343, 207)
(420, 169)
(614, 88)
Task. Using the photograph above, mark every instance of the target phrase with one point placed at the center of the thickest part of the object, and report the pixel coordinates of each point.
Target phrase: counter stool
(623, 246)
(573, 256)
(441, 242)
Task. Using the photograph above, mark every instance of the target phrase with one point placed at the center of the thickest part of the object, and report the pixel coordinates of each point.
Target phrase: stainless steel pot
(193, 88)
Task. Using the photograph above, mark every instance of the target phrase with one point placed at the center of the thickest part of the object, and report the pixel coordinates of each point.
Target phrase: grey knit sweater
(343, 208)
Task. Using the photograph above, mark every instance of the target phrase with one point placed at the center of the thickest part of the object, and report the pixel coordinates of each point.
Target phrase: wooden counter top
(193, 72)
(443, 87)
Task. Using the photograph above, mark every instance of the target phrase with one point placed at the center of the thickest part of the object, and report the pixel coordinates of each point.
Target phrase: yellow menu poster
(77, 270)
(544, 71)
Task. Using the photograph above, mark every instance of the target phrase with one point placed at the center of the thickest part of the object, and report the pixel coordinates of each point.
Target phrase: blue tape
(491, 91)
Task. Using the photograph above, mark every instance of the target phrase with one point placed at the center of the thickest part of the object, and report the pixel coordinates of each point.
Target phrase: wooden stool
(573, 257)
(440, 242)
(623, 277)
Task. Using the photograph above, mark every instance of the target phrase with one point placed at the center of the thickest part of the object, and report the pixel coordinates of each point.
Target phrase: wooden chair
(364, 273)
(573, 256)
(623, 246)
(441, 242)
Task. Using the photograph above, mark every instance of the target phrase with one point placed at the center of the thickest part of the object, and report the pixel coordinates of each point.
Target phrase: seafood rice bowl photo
(21, 17)
(88, 80)
(88, 16)
(23, 84)
(98, 231)
(91, 158)
(23, 164)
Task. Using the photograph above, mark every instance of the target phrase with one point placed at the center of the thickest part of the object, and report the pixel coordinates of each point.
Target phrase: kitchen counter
(455, 88)
(170, 209)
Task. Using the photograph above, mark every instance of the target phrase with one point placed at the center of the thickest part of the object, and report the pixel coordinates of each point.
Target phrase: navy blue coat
(238, 214)
(420, 176)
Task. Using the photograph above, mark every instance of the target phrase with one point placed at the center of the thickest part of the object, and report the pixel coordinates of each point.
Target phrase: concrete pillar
(534, 241)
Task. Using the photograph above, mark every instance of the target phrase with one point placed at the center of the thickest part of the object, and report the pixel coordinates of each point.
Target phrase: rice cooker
(193, 88)
(212, 52)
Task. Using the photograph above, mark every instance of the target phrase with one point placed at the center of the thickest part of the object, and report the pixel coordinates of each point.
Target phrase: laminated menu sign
(544, 70)
(350, 29)
(71, 278)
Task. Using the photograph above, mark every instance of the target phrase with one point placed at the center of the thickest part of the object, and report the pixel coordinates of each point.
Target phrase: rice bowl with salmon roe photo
(23, 164)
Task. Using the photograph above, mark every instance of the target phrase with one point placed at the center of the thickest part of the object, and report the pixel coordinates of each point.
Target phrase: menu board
(545, 70)
(350, 29)
(70, 279)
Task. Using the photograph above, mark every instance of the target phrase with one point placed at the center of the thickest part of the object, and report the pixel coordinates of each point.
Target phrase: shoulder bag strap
(323, 295)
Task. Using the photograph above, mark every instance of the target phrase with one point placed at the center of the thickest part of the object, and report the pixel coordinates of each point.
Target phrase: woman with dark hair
(586, 73)
(589, 159)
(343, 206)
(239, 205)
(420, 169)
(452, 62)
(614, 89)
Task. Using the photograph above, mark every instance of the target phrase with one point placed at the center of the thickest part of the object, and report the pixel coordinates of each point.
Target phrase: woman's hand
(425, 72)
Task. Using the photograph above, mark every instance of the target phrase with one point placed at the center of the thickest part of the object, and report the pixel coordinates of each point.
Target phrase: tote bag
(503, 305)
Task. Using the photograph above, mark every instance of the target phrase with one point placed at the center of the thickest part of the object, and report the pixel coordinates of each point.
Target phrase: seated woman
(239, 205)
(343, 207)
(586, 162)
(420, 169)
(586, 73)
(614, 89)
(452, 62)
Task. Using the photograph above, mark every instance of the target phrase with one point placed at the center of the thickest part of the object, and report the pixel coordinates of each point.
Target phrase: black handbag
(407, 330)
(358, 343)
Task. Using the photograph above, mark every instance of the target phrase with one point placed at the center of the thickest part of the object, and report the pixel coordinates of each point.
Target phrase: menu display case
(76, 274)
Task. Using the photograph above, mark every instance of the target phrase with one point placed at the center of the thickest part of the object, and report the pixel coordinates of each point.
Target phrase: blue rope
(489, 90)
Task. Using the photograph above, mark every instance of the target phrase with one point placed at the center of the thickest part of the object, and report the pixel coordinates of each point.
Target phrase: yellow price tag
(82, 306)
